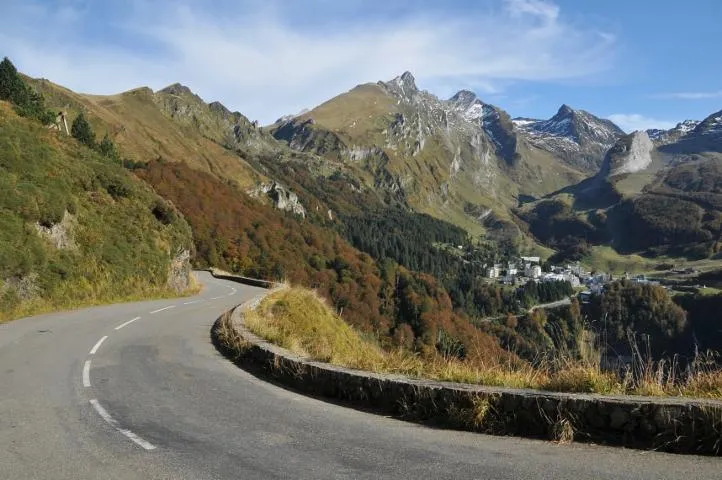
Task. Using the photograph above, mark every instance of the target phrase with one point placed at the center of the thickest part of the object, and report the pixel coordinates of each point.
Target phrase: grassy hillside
(76, 229)
(669, 211)
(143, 130)
(411, 148)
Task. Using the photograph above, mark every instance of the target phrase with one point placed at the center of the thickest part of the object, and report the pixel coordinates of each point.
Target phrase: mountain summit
(578, 137)
(705, 136)
(404, 85)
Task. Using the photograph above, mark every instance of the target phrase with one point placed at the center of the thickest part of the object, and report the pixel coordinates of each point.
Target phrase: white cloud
(633, 122)
(691, 95)
(255, 58)
(539, 8)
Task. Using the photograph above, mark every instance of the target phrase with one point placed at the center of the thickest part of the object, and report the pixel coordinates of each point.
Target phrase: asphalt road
(157, 401)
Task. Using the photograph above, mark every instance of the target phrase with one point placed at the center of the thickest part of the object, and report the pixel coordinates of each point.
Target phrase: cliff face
(630, 154)
(282, 197)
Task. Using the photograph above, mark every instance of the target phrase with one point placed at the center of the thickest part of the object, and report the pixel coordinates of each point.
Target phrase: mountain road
(137, 391)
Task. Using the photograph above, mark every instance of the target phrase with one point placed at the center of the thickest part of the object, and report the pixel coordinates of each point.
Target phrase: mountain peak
(405, 82)
(219, 108)
(465, 97)
(710, 125)
(407, 77)
(565, 110)
(177, 89)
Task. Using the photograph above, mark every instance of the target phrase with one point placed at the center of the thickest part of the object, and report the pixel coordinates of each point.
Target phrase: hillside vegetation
(138, 122)
(234, 232)
(76, 228)
(301, 321)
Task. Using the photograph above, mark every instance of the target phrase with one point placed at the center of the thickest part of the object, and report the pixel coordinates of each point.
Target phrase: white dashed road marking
(97, 345)
(86, 374)
(112, 422)
(215, 298)
(191, 303)
(126, 323)
(162, 309)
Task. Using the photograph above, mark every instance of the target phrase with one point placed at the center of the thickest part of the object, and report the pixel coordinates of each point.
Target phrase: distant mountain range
(458, 159)
(469, 162)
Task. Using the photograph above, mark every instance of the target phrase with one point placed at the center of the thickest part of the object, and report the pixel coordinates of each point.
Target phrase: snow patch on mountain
(576, 136)
(681, 130)
(521, 122)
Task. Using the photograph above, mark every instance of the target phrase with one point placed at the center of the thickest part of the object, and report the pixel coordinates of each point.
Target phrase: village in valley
(524, 269)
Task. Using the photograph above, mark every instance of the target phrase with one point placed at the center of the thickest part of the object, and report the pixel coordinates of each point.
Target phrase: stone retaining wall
(254, 282)
(669, 424)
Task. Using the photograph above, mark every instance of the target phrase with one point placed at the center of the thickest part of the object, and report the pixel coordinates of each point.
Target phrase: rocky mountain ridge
(575, 136)
(452, 158)
(390, 143)
(662, 137)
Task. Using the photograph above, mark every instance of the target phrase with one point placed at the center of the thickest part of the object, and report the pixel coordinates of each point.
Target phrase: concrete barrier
(668, 424)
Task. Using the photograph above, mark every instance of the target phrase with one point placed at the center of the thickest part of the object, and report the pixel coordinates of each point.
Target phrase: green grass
(119, 250)
(606, 259)
(359, 115)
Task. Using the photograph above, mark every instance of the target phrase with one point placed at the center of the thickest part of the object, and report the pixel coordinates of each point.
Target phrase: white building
(532, 271)
(493, 272)
(561, 277)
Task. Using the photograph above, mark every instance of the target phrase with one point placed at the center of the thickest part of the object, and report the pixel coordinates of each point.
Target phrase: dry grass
(579, 378)
(563, 431)
(301, 321)
(229, 337)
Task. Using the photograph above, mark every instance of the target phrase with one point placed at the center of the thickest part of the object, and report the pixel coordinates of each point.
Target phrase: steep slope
(458, 159)
(172, 124)
(577, 137)
(176, 125)
(705, 137)
(76, 229)
(663, 137)
(397, 306)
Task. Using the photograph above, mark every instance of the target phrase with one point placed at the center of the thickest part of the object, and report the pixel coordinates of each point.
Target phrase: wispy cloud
(630, 122)
(266, 61)
(690, 95)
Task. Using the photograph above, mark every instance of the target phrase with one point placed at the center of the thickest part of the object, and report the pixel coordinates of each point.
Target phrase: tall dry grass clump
(300, 321)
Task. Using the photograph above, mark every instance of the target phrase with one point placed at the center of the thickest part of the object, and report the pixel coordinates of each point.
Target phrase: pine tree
(107, 148)
(82, 131)
(12, 87)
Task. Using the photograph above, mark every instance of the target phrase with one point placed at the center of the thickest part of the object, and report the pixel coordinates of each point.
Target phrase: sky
(641, 63)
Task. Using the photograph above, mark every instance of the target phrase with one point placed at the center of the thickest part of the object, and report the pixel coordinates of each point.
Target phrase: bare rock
(61, 235)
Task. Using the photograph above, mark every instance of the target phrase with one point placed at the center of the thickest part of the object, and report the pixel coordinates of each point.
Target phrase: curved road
(157, 401)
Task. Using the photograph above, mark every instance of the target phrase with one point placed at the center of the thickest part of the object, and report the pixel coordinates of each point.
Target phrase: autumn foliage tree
(396, 305)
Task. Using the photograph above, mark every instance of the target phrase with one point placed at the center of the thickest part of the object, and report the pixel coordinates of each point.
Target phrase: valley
(394, 204)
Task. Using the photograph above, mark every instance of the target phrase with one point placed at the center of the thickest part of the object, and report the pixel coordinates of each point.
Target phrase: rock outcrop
(630, 154)
(179, 272)
(282, 197)
(61, 235)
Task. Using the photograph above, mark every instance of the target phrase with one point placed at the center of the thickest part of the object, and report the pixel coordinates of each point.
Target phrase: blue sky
(642, 63)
